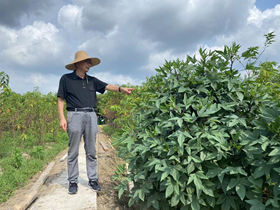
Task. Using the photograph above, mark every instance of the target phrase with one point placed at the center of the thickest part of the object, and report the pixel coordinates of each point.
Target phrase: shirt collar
(75, 76)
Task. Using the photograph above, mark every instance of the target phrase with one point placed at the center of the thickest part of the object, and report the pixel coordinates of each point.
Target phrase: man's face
(84, 65)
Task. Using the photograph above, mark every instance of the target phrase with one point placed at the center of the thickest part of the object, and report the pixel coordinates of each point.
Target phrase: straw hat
(81, 56)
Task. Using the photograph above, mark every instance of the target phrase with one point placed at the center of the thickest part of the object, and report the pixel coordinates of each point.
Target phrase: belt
(87, 109)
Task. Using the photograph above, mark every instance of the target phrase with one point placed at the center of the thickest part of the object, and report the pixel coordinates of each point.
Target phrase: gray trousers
(78, 124)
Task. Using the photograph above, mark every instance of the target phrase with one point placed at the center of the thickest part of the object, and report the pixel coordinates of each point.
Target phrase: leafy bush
(208, 139)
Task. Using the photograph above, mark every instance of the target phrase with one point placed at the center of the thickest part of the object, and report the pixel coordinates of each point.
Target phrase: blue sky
(266, 4)
(132, 38)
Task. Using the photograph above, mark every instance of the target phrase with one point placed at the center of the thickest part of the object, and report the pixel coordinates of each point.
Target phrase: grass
(110, 131)
(16, 169)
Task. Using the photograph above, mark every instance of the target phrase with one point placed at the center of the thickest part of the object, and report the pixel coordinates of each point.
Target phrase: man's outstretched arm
(115, 88)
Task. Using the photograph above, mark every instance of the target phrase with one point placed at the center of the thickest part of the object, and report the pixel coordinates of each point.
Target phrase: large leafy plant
(207, 138)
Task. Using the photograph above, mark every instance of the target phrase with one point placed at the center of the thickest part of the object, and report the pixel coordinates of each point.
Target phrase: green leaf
(169, 190)
(190, 167)
(259, 172)
(210, 201)
(131, 202)
(241, 191)
(240, 96)
(165, 173)
(142, 195)
(155, 204)
(182, 198)
(233, 182)
(277, 170)
(233, 123)
(175, 200)
(180, 122)
(205, 112)
(230, 86)
(264, 145)
(158, 104)
(256, 204)
(182, 89)
(221, 177)
(212, 173)
(275, 152)
(208, 191)
(195, 205)
(226, 205)
(175, 174)
(121, 190)
(269, 113)
(243, 121)
(181, 139)
(154, 162)
(176, 189)
(276, 190)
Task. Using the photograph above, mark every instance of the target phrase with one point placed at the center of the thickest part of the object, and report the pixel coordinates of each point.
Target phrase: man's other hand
(63, 124)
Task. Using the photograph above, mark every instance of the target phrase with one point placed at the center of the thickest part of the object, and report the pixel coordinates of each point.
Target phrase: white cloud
(158, 59)
(259, 18)
(22, 81)
(116, 79)
(32, 44)
(252, 32)
(70, 17)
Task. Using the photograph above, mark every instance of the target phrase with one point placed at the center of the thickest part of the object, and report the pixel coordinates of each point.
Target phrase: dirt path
(107, 199)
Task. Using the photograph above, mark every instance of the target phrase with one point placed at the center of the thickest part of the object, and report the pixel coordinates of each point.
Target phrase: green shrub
(208, 139)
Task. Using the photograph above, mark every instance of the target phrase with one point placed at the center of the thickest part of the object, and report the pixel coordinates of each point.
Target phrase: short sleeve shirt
(78, 92)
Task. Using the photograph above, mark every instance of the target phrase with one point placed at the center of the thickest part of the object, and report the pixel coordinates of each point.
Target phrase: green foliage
(18, 170)
(4, 86)
(252, 55)
(206, 138)
(17, 157)
(38, 152)
(119, 108)
(29, 135)
(110, 131)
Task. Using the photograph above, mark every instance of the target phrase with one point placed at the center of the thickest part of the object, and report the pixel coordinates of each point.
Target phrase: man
(79, 91)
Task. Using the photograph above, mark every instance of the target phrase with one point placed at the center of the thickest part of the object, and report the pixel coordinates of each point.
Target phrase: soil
(107, 199)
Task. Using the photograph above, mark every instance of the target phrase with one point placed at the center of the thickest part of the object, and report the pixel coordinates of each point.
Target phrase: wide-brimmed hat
(81, 56)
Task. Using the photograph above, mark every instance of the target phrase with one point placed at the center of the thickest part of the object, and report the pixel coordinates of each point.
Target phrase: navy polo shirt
(78, 92)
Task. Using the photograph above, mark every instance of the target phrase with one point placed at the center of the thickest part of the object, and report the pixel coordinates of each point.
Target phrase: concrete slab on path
(58, 197)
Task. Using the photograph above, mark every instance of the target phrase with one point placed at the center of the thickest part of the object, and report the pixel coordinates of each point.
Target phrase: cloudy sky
(132, 38)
